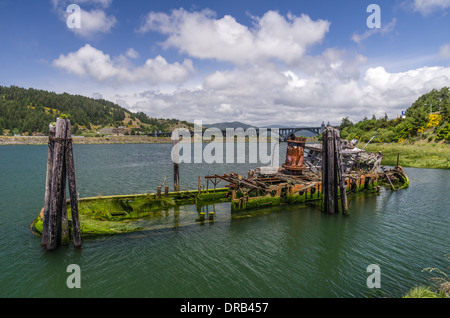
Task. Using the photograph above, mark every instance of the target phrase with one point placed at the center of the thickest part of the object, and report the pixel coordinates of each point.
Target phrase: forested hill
(30, 111)
(428, 118)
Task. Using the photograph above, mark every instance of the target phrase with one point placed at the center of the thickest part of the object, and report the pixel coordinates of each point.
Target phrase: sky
(288, 63)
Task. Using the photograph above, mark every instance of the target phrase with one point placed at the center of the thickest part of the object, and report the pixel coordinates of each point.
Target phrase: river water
(284, 252)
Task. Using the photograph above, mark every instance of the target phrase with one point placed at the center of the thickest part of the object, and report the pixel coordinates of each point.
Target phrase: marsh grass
(419, 155)
(442, 279)
(423, 292)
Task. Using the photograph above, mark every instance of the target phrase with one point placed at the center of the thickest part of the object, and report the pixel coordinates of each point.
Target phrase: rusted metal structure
(295, 156)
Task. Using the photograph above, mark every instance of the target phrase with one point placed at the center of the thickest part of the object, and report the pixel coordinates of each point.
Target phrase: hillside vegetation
(30, 111)
(420, 140)
(427, 119)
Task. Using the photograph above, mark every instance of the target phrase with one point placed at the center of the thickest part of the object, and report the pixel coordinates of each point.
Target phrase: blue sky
(258, 62)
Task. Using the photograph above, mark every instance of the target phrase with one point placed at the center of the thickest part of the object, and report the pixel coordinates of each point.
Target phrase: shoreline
(43, 140)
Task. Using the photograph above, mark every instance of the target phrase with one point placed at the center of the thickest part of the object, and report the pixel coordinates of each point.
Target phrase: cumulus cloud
(267, 96)
(93, 21)
(202, 35)
(91, 62)
(428, 6)
(274, 80)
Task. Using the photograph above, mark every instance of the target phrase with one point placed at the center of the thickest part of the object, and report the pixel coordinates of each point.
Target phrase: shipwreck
(314, 173)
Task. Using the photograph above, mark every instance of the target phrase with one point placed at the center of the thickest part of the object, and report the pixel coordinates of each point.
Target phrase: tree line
(30, 111)
(427, 118)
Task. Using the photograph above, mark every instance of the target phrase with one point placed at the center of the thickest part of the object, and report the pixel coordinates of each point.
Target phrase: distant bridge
(284, 133)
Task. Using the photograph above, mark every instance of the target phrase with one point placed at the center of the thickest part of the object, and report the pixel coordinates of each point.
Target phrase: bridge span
(284, 132)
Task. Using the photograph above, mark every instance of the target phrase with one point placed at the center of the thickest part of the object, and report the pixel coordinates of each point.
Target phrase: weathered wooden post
(166, 191)
(70, 166)
(63, 167)
(340, 168)
(57, 188)
(176, 169)
(158, 192)
(332, 168)
(48, 183)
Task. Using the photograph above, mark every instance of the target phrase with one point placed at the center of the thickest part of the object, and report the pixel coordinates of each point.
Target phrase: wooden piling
(48, 183)
(332, 173)
(71, 180)
(158, 193)
(176, 169)
(166, 191)
(65, 232)
(63, 171)
(54, 226)
(340, 166)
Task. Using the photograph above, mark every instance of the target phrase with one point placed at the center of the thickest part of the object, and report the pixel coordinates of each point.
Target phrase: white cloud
(91, 62)
(444, 52)
(301, 90)
(266, 96)
(428, 6)
(386, 28)
(202, 35)
(93, 21)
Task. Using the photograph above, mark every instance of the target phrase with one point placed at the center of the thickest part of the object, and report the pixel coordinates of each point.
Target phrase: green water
(288, 252)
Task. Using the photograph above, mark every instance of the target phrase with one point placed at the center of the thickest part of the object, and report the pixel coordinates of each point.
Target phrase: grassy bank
(419, 155)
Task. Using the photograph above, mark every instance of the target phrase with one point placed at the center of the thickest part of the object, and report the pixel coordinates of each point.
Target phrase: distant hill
(30, 111)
